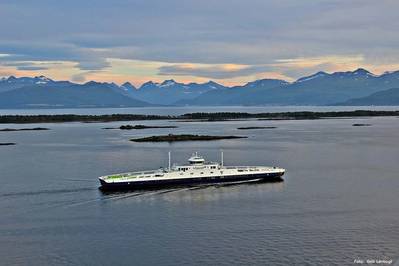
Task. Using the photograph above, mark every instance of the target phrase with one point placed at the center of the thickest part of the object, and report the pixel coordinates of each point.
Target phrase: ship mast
(169, 160)
(221, 158)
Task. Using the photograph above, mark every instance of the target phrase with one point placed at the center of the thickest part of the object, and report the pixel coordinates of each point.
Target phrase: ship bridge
(195, 159)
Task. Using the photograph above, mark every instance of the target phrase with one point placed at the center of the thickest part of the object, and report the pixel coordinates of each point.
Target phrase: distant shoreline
(191, 117)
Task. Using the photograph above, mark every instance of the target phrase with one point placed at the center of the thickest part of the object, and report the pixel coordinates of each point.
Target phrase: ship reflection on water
(205, 192)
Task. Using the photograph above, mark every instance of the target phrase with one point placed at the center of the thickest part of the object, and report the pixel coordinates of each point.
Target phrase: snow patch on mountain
(167, 83)
(314, 76)
(41, 80)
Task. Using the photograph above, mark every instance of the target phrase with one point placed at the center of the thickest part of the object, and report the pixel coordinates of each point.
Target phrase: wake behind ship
(198, 171)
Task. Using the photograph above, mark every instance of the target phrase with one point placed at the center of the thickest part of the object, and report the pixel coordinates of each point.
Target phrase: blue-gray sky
(229, 41)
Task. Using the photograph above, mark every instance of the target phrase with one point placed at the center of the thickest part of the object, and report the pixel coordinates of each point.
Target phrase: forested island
(361, 125)
(23, 129)
(183, 137)
(301, 115)
(130, 127)
(27, 119)
(220, 116)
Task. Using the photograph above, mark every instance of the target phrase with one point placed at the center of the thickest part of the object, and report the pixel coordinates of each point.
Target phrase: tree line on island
(219, 116)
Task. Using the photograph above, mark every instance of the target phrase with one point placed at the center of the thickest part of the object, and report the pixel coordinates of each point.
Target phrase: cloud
(299, 67)
(212, 71)
(292, 67)
(96, 64)
(26, 65)
(31, 68)
(253, 34)
(87, 59)
(80, 78)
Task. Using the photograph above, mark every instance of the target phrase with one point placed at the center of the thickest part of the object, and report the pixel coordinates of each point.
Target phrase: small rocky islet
(361, 125)
(249, 128)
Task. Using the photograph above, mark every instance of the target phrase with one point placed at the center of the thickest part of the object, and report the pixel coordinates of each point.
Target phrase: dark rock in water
(247, 128)
(183, 137)
(361, 125)
(23, 129)
(7, 143)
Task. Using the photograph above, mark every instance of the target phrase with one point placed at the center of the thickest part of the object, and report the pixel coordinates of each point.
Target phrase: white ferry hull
(161, 183)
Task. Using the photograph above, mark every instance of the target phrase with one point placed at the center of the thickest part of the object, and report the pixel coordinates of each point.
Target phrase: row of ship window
(180, 174)
(185, 169)
(200, 173)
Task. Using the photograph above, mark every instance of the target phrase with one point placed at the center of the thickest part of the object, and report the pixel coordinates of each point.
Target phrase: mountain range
(42, 92)
(318, 89)
(170, 91)
(386, 97)
(359, 87)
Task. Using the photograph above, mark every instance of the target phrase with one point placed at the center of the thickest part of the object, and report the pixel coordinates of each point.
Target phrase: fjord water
(339, 201)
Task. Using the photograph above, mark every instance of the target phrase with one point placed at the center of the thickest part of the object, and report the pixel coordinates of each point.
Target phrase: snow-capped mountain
(234, 95)
(127, 86)
(169, 91)
(314, 76)
(11, 82)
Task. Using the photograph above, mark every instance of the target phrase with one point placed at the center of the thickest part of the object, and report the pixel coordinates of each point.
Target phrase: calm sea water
(339, 201)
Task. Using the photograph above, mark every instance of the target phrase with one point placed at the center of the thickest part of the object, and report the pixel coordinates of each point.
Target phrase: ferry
(197, 171)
